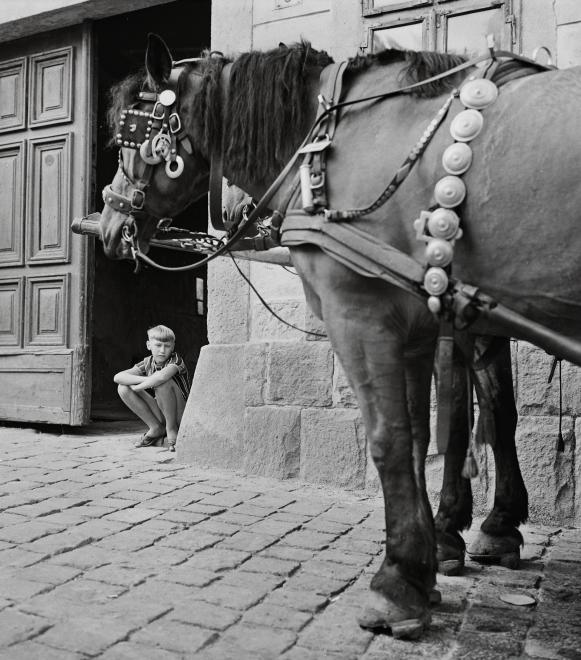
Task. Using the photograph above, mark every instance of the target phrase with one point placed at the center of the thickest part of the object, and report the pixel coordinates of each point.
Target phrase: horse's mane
(419, 65)
(268, 102)
(268, 106)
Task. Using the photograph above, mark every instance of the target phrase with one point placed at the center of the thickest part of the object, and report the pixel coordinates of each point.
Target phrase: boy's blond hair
(161, 333)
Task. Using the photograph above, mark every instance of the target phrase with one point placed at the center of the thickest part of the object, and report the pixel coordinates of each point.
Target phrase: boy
(165, 372)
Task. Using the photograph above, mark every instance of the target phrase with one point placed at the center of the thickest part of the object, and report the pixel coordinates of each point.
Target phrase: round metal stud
(179, 167)
(434, 304)
(439, 252)
(478, 93)
(167, 98)
(435, 281)
(443, 223)
(466, 125)
(457, 158)
(450, 191)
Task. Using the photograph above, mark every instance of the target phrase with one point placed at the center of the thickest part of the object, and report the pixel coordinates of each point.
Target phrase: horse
(519, 266)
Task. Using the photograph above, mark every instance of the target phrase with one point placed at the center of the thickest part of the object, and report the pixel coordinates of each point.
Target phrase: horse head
(178, 119)
(160, 171)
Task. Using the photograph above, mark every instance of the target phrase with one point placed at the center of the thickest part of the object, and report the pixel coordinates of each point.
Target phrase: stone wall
(268, 400)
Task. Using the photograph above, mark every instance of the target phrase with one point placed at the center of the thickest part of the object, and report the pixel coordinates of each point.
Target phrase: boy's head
(161, 342)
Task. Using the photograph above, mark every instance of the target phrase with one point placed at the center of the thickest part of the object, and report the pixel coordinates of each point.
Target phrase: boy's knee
(165, 388)
(123, 390)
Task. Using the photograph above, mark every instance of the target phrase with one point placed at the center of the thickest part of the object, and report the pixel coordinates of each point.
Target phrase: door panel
(45, 173)
(51, 77)
(12, 98)
(12, 204)
(48, 216)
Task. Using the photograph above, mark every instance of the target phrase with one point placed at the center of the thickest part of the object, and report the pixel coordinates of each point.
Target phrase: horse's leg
(455, 507)
(372, 327)
(499, 539)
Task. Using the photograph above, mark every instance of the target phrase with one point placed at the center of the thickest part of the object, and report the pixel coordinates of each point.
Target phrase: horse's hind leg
(499, 540)
(455, 507)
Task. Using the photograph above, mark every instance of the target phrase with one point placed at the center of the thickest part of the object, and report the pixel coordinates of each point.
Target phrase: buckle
(158, 108)
(175, 124)
(137, 199)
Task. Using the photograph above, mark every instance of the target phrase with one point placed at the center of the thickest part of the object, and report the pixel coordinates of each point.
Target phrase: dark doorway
(126, 304)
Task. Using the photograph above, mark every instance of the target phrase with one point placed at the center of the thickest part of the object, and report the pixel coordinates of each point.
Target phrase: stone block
(211, 432)
(548, 474)
(569, 45)
(333, 447)
(535, 396)
(228, 296)
(300, 373)
(538, 26)
(272, 441)
(315, 325)
(256, 357)
(577, 473)
(264, 326)
(343, 395)
(276, 283)
(567, 11)
(232, 26)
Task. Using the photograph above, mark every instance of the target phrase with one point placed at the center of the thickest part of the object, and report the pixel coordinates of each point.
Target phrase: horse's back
(523, 204)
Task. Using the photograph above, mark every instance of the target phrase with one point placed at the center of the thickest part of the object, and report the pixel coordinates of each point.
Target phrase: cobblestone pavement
(122, 554)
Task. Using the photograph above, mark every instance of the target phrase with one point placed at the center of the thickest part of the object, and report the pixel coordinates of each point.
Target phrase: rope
(269, 308)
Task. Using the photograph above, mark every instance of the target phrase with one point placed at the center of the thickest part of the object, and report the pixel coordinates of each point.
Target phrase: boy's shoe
(171, 445)
(148, 441)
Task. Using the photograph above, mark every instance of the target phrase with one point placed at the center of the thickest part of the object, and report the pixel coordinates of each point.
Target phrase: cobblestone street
(112, 552)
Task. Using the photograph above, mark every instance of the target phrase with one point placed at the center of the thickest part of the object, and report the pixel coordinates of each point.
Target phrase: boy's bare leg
(172, 405)
(145, 407)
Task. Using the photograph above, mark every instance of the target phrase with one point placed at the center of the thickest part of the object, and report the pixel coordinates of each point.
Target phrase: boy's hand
(158, 378)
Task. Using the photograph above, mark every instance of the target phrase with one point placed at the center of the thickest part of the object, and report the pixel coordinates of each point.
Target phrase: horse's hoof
(451, 566)
(450, 553)
(510, 560)
(383, 615)
(409, 629)
(488, 549)
(435, 597)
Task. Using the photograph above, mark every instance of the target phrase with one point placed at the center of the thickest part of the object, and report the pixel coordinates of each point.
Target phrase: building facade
(266, 399)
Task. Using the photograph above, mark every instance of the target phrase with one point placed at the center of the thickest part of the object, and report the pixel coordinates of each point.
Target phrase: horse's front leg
(384, 339)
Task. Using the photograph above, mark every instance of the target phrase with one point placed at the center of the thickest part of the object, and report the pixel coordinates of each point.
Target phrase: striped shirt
(147, 367)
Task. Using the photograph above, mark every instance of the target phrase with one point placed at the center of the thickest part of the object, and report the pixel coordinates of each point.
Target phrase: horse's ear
(158, 60)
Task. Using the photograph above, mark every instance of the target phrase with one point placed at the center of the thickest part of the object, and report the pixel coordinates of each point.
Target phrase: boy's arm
(129, 377)
(157, 379)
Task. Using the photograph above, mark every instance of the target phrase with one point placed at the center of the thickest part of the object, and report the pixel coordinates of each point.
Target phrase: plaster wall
(293, 413)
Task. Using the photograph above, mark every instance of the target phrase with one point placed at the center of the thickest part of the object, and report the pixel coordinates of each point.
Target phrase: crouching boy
(164, 372)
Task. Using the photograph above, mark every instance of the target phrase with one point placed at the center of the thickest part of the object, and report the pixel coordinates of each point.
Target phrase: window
(200, 306)
(459, 26)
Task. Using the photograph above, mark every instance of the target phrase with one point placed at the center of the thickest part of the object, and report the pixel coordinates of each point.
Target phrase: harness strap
(217, 170)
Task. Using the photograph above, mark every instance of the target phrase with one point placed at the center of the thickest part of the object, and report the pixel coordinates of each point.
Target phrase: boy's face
(161, 350)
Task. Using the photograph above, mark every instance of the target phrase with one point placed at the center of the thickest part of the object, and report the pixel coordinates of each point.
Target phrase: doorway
(125, 304)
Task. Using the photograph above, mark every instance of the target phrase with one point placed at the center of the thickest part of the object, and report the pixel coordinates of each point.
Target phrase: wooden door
(45, 155)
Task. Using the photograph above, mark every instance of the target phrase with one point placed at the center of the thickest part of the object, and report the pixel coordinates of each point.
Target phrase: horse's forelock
(123, 95)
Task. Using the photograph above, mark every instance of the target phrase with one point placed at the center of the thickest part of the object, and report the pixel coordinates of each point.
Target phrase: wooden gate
(46, 129)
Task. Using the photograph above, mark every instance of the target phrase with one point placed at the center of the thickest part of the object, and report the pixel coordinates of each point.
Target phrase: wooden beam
(74, 13)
